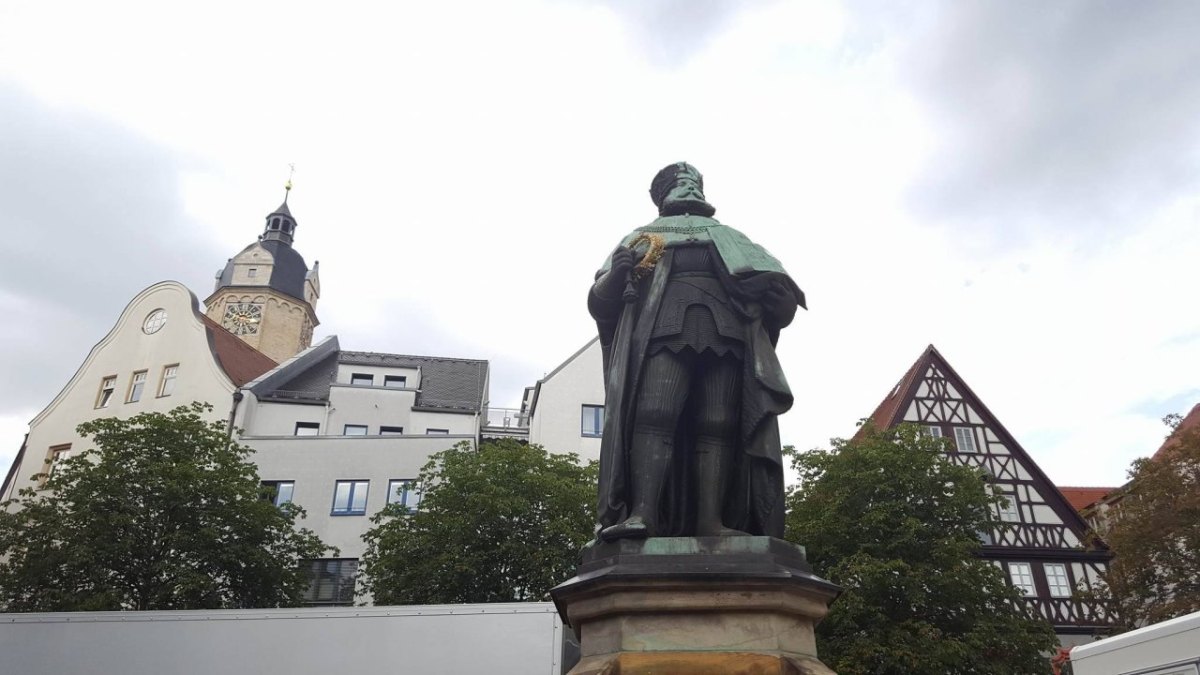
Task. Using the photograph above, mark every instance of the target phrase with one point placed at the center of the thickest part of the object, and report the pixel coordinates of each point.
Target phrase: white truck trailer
(504, 639)
(1167, 648)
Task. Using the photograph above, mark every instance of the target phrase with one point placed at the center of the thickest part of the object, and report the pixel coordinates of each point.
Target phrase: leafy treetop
(501, 523)
(165, 512)
(892, 520)
(1155, 532)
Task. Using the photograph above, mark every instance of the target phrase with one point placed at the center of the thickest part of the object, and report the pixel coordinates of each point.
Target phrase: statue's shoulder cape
(740, 255)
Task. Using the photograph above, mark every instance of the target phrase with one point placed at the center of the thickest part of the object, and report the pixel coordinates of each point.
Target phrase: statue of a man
(689, 312)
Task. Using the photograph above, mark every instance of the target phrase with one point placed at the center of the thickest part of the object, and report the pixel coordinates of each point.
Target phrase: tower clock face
(242, 318)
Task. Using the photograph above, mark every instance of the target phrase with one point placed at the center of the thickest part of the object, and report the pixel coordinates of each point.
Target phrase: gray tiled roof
(446, 384)
(287, 273)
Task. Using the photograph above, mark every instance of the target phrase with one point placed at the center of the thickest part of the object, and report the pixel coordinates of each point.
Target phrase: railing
(505, 418)
(295, 395)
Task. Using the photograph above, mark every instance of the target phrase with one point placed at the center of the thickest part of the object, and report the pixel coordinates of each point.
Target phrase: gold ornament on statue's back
(645, 266)
(653, 253)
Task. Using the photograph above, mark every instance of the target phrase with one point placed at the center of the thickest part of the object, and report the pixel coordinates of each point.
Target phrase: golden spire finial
(287, 187)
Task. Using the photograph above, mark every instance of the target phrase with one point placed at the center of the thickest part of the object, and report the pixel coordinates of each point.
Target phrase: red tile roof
(891, 413)
(241, 362)
(888, 413)
(1083, 497)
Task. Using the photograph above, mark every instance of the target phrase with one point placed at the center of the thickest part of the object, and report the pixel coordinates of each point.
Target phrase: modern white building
(565, 409)
(162, 352)
(344, 433)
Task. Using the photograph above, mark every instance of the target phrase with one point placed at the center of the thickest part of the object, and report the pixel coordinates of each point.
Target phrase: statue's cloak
(755, 500)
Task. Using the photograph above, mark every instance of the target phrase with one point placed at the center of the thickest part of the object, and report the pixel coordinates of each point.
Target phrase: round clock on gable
(154, 321)
(242, 318)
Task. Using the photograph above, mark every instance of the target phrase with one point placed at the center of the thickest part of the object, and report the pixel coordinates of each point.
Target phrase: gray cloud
(669, 32)
(1076, 114)
(92, 213)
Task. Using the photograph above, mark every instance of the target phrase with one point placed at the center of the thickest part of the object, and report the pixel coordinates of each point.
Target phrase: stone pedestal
(690, 606)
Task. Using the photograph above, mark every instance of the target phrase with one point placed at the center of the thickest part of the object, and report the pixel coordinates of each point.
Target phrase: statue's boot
(711, 477)
(649, 459)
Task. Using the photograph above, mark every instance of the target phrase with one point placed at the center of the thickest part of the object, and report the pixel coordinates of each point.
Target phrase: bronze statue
(689, 312)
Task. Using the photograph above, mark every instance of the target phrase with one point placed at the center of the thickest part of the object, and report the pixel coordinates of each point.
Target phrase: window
(278, 492)
(1008, 509)
(107, 386)
(398, 381)
(1022, 577)
(168, 380)
(354, 430)
(592, 420)
(252, 272)
(350, 498)
(391, 431)
(362, 379)
(437, 432)
(404, 492)
(1056, 580)
(307, 428)
(964, 438)
(932, 432)
(57, 455)
(331, 582)
(154, 321)
(136, 385)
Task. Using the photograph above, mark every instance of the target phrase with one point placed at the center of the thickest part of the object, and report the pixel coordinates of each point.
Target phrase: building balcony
(505, 423)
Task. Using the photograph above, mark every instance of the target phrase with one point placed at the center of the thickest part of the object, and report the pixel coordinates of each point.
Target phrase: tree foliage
(896, 524)
(165, 512)
(502, 523)
(1155, 533)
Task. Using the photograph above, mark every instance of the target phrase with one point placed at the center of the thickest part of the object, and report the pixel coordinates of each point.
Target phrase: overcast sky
(1014, 182)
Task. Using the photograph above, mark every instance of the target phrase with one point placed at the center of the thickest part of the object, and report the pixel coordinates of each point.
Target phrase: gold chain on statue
(653, 254)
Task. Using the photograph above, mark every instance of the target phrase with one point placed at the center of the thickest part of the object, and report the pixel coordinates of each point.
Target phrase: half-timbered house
(1043, 547)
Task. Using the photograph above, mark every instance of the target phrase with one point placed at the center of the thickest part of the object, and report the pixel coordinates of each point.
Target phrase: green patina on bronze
(740, 255)
(686, 306)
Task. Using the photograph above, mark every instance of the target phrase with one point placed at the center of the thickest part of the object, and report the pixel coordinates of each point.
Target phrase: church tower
(266, 295)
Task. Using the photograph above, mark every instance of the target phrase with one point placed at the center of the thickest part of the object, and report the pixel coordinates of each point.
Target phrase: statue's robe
(754, 503)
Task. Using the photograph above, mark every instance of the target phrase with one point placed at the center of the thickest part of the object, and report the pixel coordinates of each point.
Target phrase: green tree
(165, 512)
(896, 524)
(502, 523)
(1155, 532)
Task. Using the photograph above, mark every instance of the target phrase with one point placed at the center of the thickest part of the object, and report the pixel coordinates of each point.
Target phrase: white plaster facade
(183, 341)
(556, 405)
(315, 464)
(403, 428)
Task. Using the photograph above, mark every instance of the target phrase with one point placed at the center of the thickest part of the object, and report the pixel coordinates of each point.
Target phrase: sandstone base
(700, 663)
(730, 605)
